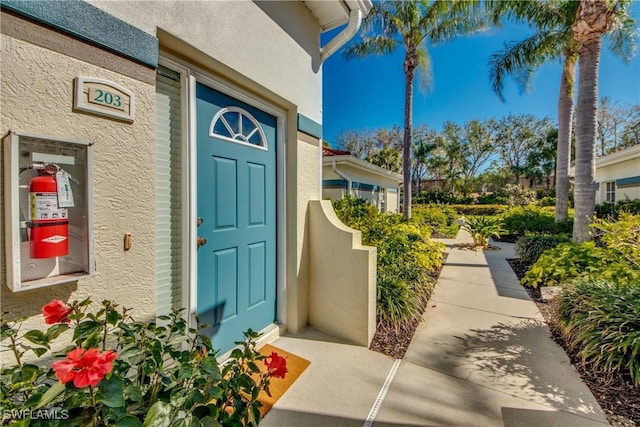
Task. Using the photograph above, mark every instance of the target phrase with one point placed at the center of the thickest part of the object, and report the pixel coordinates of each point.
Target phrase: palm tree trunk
(406, 141)
(563, 151)
(586, 127)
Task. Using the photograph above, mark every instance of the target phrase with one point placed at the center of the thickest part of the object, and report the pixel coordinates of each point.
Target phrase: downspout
(355, 20)
(342, 175)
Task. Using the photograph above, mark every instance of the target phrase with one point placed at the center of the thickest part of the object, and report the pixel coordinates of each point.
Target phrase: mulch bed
(617, 396)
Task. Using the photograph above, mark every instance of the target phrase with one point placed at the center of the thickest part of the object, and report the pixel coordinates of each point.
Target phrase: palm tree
(413, 25)
(552, 40)
(594, 18)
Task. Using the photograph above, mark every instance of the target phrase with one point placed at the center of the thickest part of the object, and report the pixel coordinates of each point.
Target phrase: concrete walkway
(481, 357)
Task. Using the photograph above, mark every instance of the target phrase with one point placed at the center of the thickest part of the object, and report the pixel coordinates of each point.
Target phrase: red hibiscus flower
(84, 368)
(277, 365)
(55, 312)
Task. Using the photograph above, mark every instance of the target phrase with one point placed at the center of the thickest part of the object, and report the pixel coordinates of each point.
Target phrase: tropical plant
(553, 39)
(412, 25)
(601, 320)
(482, 228)
(594, 19)
(568, 262)
(529, 248)
(119, 371)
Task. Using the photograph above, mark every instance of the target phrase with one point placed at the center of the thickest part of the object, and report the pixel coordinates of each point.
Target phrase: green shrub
(406, 256)
(518, 195)
(611, 210)
(545, 192)
(547, 201)
(434, 196)
(568, 262)
(491, 199)
(482, 228)
(622, 235)
(437, 218)
(533, 219)
(529, 248)
(479, 209)
(601, 319)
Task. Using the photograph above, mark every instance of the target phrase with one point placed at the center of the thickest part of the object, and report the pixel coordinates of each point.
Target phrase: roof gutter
(343, 176)
(353, 25)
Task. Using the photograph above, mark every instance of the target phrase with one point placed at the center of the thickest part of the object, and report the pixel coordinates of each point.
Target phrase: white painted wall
(619, 165)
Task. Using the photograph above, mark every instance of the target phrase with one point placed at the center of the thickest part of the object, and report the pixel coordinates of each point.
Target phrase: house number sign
(104, 98)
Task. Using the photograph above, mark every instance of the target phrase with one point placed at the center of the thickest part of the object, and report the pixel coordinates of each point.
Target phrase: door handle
(201, 241)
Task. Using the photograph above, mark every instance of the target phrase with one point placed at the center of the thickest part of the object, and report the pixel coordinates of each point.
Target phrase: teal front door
(236, 208)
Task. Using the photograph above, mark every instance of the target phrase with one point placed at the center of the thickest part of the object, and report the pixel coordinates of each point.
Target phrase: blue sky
(369, 93)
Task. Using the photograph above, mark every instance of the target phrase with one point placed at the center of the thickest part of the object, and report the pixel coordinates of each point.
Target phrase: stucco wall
(234, 33)
(614, 171)
(37, 97)
(307, 185)
(342, 293)
(619, 170)
(392, 201)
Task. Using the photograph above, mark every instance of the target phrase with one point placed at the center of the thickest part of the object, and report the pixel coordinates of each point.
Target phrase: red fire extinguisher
(49, 223)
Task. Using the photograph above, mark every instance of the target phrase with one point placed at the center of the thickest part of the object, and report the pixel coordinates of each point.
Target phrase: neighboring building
(194, 132)
(344, 174)
(618, 175)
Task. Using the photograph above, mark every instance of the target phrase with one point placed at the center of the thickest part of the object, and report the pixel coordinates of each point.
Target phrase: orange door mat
(296, 366)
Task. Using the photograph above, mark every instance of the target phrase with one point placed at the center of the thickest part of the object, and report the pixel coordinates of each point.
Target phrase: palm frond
(372, 45)
(622, 38)
(425, 70)
(519, 59)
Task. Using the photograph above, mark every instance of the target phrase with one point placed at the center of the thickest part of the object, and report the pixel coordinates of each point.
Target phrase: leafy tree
(387, 158)
(359, 143)
(542, 161)
(412, 26)
(614, 122)
(517, 137)
(425, 141)
(594, 19)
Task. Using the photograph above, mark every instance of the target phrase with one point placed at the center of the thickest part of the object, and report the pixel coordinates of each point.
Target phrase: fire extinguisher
(49, 223)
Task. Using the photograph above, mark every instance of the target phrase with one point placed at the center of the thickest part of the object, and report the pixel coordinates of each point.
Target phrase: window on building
(610, 192)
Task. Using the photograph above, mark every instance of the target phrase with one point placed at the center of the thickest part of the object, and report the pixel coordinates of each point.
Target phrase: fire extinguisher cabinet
(48, 206)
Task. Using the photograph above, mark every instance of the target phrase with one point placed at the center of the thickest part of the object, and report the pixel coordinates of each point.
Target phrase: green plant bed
(406, 255)
(520, 221)
(486, 210)
(601, 319)
(529, 248)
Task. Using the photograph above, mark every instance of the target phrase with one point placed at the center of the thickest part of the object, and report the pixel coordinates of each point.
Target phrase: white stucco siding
(37, 98)
(619, 170)
(613, 171)
(273, 43)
